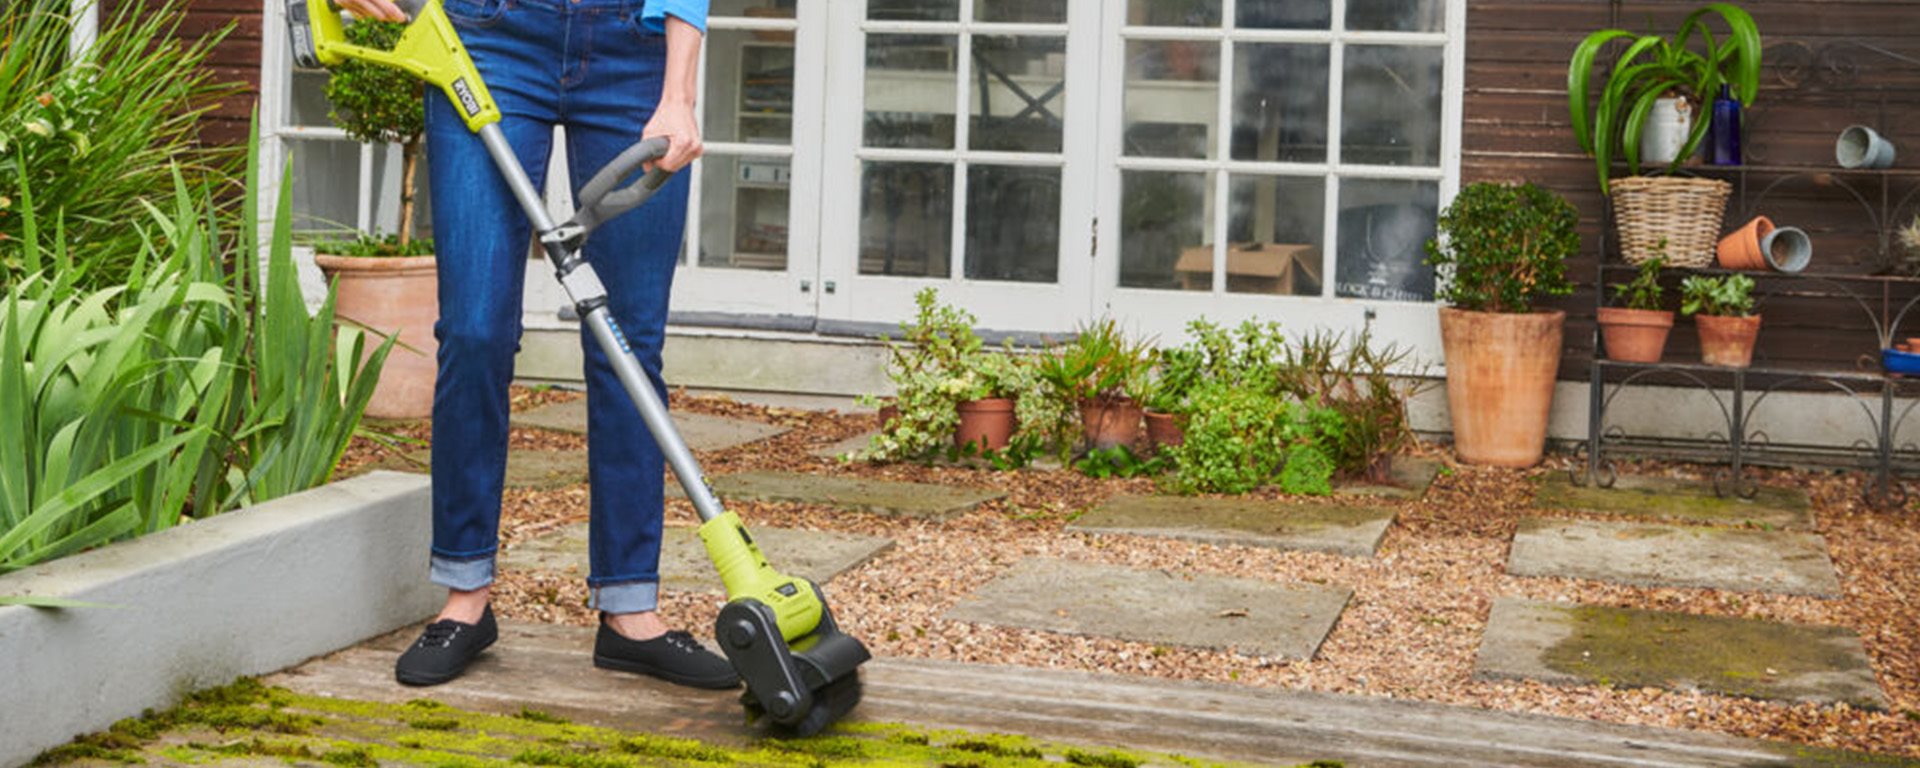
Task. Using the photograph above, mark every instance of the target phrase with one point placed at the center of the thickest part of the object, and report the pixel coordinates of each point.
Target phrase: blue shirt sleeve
(654, 13)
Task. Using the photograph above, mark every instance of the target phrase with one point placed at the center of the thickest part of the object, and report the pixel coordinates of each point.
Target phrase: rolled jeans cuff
(463, 574)
(628, 597)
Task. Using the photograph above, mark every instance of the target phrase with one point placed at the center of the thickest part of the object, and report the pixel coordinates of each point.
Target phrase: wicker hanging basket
(1678, 215)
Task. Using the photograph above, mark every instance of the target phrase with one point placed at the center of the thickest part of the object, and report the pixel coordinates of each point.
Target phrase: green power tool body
(800, 670)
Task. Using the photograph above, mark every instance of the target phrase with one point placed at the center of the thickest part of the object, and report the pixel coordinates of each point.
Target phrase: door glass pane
(1274, 234)
(743, 212)
(910, 90)
(763, 9)
(749, 88)
(1018, 93)
(1024, 11)
(913, 10)
(1391, 106)
(307, 103)
(1384, 228)
(1161, 13)
(1172, 101)
(1284, 14)
(1396, 15)
(906, 219)
(1013, 224)
(1280, 103)
(326, 185)
(1164, 221)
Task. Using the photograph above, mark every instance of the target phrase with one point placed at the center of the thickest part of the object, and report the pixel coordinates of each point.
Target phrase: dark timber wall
(1828, 65)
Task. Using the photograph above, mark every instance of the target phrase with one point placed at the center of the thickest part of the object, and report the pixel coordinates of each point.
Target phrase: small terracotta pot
(392, 295)
(986, 423)
(1111, 422)
(1500, 376)
(1635, 335)
(1727, 341)
(1740, 249)
(1163, 430)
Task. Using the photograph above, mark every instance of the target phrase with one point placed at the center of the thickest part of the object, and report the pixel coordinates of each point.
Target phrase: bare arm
(673, 118)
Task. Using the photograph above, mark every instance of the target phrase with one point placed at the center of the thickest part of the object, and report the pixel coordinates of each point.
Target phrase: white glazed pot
(1665, 131)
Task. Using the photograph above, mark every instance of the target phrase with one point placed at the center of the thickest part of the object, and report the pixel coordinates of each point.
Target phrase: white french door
(961, 151)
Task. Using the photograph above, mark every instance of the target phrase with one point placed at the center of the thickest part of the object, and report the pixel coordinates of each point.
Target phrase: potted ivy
(1501, 248)
(1102, 371)
(387, 285)
(1637, 332)
(988, 392)
(1722, 308)
(1177, 372)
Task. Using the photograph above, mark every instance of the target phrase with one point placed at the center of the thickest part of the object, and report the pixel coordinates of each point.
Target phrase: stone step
(701, 431)
(684, 565)
(1250, 616)
(1344, 529)
(881, 497)
(1569, 644)
(546, 668)
(1781, 562)
(1689, 501)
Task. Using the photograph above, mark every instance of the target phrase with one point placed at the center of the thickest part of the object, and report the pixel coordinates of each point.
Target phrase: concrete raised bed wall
(244, 593)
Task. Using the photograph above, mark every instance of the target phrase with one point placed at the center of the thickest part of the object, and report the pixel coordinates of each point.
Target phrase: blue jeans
(589, 66)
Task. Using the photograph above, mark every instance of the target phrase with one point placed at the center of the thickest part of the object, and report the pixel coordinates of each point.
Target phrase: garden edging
(244, 593)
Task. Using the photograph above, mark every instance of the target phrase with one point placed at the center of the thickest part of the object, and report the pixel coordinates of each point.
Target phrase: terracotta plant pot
(887, 414)
(1111, 422)
(1163, 430)
(1501, 369)
(1727, 341)
(987, 424)
(1635, 335)
(1740, 249)
(392, 295)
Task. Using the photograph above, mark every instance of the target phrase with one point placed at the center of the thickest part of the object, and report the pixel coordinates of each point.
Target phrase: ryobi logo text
(467, 101)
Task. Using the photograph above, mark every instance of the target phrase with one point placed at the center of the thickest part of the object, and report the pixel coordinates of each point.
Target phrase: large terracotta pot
(392, 295)
(1635, 335)
(987, 423)
(1111, 422)
(1501, 369)
(1727, 341)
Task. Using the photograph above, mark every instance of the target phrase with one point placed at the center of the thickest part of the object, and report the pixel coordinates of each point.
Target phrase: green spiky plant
(1607, 124)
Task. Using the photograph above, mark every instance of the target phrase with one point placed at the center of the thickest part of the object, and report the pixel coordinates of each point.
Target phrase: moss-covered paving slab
(1408, 477)
(1345, 529)
(526, 468)
(1666, 498)
(1568, 644)
(701, 431)
(880, 497)
(816, 555)
(1783, 562)
(1250, 616)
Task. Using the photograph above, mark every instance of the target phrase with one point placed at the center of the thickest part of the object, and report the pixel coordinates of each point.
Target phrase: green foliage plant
(1366, 383)
(1101, 364)
(381, 105)
(93, 137)
(365, 246)
(1501, 247)
(1238, 439)
(1723, 296)
(1644, 291)
(1607, 123)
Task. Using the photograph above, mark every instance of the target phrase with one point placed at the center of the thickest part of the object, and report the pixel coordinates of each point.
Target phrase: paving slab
(1667, 498)
(1250, 616)
(544, 667)
(1343, 529)
(881, 497)
(1568, 644)
(1408, 477)
(816, 555)
(536, 469)
(701, 431)
(1780, 562)
(847, 446)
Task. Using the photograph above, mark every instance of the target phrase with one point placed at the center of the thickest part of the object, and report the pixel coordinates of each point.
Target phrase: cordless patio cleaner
(800, 670)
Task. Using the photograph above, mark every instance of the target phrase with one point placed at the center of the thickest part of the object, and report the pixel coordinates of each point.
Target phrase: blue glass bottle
(1724, 131)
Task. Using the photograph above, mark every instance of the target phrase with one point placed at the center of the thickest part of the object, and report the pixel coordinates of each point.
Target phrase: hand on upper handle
(673, 118)
(383, 10)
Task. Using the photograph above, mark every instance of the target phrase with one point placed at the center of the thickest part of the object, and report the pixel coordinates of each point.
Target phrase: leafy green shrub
(378, 104)
(1503, 246)
(1118, 461)
(1308, 472)
(1238, 439)
(92, 138)
(1362, 382)
(1724, 296)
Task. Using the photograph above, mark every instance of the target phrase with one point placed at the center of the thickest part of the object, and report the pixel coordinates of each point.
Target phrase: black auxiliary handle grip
(600, 201)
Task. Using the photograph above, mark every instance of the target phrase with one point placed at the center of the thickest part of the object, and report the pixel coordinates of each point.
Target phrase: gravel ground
(1411, 631)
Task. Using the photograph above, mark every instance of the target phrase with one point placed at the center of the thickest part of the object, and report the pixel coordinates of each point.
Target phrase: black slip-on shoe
(674, 657)
(445, 649)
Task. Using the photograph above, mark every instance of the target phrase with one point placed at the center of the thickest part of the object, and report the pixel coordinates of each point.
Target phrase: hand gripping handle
(600, 201)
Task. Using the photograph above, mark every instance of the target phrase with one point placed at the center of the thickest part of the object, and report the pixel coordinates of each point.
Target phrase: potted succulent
(1501, 247)
(1637, 332)
(1722, 308)
(1102, 371)
(387, 285)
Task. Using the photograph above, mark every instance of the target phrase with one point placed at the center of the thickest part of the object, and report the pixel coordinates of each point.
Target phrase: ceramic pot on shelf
(1727, 341)
(1635, 335)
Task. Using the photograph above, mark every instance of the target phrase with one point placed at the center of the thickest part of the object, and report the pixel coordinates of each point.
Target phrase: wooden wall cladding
(1827, 65)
